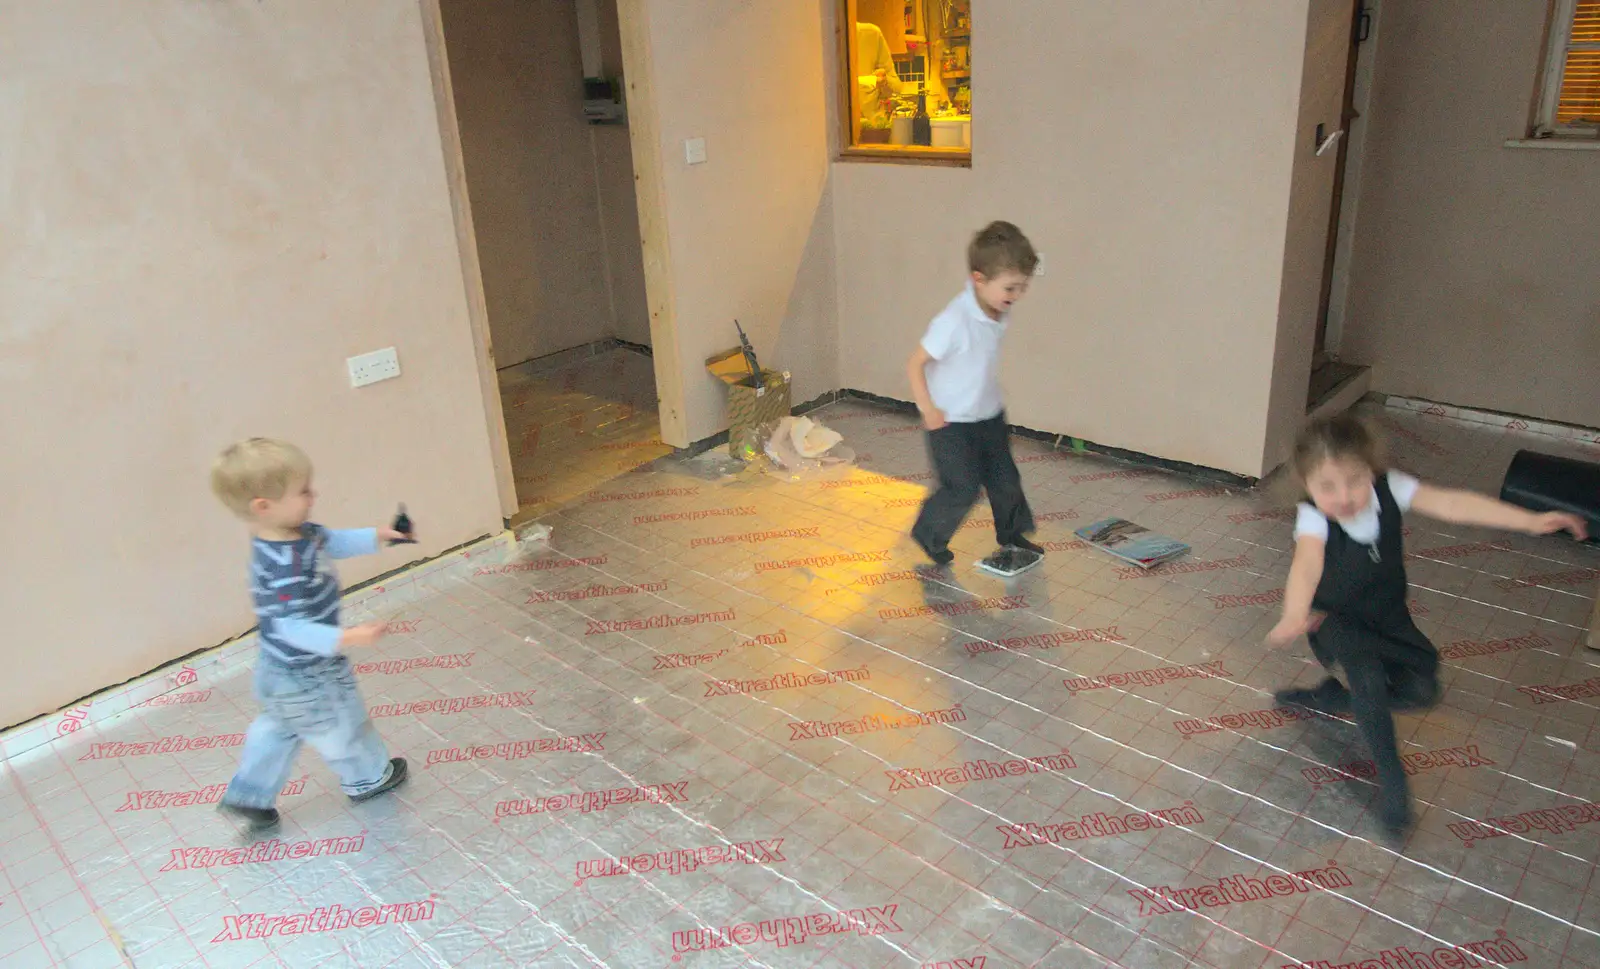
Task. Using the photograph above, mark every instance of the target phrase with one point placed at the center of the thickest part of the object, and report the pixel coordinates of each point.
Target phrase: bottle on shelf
(921, 124)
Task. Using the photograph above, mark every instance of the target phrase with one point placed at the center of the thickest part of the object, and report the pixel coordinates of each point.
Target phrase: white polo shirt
(964, 377)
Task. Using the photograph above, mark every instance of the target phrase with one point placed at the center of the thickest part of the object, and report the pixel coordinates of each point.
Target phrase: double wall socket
(369, 368)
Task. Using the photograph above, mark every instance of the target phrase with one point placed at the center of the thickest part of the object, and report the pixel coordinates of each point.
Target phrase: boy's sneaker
(251, 820)
(393, 779)
(1330, 697)
(1026, 545)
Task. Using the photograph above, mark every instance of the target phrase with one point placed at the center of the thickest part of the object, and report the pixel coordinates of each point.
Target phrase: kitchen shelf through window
(908, 81)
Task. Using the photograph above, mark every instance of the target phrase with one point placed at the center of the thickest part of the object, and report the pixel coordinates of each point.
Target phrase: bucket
(951, 132)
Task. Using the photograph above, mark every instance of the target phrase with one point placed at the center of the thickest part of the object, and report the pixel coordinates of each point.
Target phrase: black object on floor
(1010, 561)
(1547, 482)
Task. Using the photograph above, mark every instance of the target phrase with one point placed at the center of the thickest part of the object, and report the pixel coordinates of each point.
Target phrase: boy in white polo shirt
(955, 380)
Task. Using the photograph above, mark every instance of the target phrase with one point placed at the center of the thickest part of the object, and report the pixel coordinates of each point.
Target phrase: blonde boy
(303, 681)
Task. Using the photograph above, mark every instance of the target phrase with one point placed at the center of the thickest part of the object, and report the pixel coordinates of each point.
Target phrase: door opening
(546, 174)
(1327, 372)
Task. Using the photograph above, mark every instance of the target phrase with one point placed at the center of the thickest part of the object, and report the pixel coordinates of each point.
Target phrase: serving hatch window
(908, 84)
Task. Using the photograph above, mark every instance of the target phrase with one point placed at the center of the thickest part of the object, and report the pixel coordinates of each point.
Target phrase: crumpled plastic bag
(526, 542)
(535, 534)
(800, 445)
(811, 439)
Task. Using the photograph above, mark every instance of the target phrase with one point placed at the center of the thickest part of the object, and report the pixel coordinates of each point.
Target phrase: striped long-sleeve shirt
(297, 592)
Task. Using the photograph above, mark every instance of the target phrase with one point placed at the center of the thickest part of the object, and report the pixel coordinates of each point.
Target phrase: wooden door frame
(651, 194)
(455, 168)
(1347, 114)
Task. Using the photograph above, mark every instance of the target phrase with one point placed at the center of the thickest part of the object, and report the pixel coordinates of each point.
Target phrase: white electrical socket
(369, 368)
(1038, 270)
(694, 151)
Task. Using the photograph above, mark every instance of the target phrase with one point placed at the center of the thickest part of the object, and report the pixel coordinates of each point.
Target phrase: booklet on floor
(1132, 542)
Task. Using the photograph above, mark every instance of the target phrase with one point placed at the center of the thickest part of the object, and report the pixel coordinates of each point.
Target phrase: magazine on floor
(1132, 542)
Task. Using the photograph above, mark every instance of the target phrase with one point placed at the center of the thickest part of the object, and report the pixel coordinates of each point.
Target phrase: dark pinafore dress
(1363, 594)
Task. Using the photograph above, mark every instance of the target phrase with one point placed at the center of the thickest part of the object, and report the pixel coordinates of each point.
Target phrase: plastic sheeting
(720, 721)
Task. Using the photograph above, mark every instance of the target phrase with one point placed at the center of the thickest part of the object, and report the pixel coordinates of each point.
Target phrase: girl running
(1347, 587)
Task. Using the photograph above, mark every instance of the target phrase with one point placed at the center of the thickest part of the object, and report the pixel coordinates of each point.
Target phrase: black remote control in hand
(402, 524)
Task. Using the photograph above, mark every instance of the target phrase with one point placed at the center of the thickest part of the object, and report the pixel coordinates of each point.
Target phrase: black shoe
(1403, 704)
(1413, 694)
(1026, 545)
(1329, 697)
(251, 820)
(941, 557)
(395, 777)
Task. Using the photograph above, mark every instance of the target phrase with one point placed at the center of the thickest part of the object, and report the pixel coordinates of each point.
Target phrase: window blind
(1579, 101)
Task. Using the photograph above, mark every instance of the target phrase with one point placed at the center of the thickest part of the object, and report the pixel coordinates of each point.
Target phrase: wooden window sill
(1570, 144)
(913, 155)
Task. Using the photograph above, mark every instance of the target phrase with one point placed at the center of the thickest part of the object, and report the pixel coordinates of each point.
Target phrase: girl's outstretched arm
(1470, 508)
(1304, 574)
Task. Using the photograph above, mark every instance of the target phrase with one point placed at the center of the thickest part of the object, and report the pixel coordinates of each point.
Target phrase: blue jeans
(317, 704)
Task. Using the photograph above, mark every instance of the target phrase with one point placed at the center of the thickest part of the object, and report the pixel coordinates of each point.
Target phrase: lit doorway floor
(719, 722)
(577, 419)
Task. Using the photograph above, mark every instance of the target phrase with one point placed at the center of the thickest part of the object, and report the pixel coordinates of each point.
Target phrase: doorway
(1328, 373)
(546, 178)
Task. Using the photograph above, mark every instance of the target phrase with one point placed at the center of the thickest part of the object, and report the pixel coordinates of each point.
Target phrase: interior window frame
(850, 149)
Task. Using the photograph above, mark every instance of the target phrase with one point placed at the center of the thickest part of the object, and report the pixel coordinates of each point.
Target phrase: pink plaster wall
(207, 208)
(1148, 153)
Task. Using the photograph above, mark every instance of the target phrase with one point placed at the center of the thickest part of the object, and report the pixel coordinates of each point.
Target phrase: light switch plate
(694, 151)
(369, 368)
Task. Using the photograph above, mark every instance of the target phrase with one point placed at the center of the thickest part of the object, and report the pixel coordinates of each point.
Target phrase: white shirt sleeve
(1309, 522)
(941, 336)
(1404, 488)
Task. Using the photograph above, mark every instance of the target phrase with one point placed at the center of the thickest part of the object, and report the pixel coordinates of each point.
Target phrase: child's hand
(390, 535)
(1554, 521)
(933, 419)
(365, 634)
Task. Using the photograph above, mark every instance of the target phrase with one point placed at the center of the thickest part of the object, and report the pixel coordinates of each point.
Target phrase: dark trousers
(1397, 670)
(966, 458)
